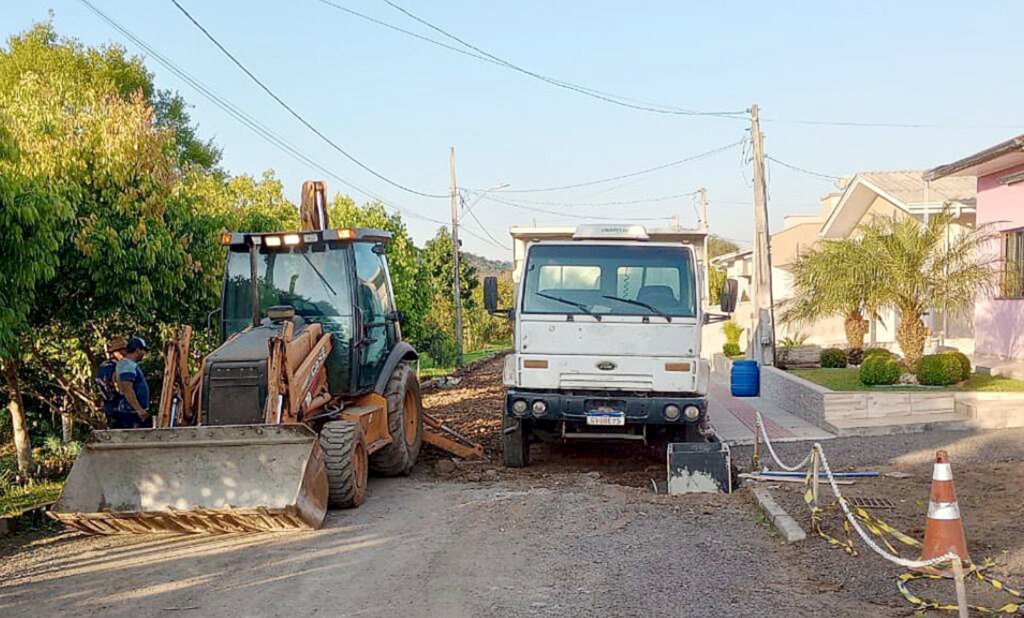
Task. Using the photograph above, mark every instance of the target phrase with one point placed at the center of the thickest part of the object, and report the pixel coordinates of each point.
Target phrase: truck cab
(607, 337)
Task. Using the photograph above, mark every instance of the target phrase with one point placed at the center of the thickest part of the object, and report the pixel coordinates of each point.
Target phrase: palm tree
(923, 267)
(837, 278)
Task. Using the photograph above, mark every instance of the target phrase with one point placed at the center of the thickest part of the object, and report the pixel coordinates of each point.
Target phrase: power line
(562, 214)
(470, 212)
(888, 125)
(621, 203)
(631, 174)
(246, 119)
(644, 105)
(802, 170)
(590, 92)
(294, 113)
(471, 54)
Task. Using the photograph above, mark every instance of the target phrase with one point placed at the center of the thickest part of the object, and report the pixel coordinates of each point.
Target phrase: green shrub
(794, 341)
(939, 370)
(833, 358)
(732, 331)
(880, 369)
(882, 352)
(965, 363)
(855, 356)
(731, 349)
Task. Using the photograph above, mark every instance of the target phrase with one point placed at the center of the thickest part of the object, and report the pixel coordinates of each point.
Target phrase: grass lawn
(427, 370)
(14, 500)
(848, 380)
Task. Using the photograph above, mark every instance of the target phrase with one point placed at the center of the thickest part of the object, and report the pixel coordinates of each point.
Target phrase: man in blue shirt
(106, 379)
(134, 407)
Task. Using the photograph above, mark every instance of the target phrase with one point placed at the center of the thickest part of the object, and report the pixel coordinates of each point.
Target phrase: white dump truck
(608, 322)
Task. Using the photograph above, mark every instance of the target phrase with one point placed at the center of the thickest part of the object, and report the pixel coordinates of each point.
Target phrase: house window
(1013, 258)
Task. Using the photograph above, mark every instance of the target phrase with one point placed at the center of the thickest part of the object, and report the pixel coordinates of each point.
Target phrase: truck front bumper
(637, 410)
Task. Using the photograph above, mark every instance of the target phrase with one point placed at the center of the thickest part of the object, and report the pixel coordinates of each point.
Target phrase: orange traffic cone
(944, 531)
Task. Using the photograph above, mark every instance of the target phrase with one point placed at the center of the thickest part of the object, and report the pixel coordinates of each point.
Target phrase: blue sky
(398, 103)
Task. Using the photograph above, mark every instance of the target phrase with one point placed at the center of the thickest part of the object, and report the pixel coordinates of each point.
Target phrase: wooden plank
(453, 447)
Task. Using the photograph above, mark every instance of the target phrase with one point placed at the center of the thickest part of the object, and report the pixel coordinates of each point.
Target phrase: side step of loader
(244, 478)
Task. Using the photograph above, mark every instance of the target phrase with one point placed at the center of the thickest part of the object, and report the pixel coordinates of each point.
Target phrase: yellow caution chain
(887, 534)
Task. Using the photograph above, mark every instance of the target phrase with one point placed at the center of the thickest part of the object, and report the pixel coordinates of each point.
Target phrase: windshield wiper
(580, 306)
(638, 303)
(323, 279)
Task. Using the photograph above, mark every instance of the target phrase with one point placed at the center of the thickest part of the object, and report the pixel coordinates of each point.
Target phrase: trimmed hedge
(965, 363)
(833, 358)
(731, 349)
(939, 370)
(880, 369)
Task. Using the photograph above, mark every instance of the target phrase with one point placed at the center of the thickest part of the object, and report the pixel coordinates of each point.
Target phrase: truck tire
(515, 442)
(405, 423)
(347, 466)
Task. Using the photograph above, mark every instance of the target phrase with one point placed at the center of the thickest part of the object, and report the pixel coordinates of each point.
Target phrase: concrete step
(908, 423)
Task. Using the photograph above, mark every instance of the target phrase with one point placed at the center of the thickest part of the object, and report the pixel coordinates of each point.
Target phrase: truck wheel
(405, 423)
(347, 466)
(515, 442)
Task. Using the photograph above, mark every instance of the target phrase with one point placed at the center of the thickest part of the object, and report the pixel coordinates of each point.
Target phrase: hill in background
(486, 267)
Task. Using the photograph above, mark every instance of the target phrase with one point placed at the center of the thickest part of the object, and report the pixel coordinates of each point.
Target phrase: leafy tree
(716, 276)
(923, 266)
(405, 263)
(837, 278)
(102, 248)
(439, 263)
(40, 51)
(31, 221)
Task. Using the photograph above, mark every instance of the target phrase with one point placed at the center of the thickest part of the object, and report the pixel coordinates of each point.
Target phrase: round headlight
(539, 408)
(692, 413)
(519, 406)
(672, 412)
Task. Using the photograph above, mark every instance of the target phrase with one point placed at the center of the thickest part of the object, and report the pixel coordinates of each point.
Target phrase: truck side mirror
(727, 299)
(491, 294)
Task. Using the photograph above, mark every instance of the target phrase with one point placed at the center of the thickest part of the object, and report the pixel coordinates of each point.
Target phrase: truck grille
(604, 381)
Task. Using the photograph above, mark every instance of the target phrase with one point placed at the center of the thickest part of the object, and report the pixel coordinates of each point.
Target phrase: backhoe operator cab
(337, 279)
(608, 322)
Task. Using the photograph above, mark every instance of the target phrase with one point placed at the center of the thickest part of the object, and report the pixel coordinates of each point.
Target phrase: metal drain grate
(872, 503)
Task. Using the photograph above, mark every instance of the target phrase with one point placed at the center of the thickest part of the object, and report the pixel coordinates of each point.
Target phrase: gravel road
(423, 547)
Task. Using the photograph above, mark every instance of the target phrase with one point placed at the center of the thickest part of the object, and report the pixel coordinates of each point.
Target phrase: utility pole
(703, 207)
(703, 224)
(762, 348)
(457, 286)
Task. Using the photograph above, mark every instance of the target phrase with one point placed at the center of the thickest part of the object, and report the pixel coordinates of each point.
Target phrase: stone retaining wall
(794, 395)
(822, 406)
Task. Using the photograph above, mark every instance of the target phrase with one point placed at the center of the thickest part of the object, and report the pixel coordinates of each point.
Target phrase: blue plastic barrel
(745, 380)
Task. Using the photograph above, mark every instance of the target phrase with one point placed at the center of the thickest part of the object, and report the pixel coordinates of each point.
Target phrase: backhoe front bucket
(241, 478)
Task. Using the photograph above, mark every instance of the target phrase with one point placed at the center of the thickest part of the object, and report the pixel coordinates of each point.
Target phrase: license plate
(606, 418)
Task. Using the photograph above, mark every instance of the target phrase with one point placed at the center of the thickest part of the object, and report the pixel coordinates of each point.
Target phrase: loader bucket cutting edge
(187, 480)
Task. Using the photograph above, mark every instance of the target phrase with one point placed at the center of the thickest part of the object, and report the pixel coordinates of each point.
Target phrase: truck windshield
(313, 280)
(610, 280)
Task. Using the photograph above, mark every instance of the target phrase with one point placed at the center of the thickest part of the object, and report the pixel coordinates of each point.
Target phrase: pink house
(998, 318)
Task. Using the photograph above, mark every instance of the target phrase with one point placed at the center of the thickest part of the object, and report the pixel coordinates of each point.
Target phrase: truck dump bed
(252, 478)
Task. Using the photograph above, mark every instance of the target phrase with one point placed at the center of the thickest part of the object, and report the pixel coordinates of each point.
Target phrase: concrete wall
(829, 409)
(999, 322)
(797, 396)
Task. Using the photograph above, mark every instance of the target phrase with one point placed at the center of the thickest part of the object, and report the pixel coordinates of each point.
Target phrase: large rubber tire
(405, 423)
(347, 464)
(515, 442)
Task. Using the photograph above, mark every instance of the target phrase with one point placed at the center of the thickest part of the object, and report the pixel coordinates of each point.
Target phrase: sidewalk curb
(786, 525)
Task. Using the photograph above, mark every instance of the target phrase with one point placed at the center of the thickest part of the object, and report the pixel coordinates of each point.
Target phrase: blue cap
(136, 343)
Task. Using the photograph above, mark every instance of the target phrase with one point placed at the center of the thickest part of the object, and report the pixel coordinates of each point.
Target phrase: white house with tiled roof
(855, 201)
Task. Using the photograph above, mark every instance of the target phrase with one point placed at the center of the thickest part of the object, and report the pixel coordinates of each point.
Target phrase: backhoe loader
(311, 388)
